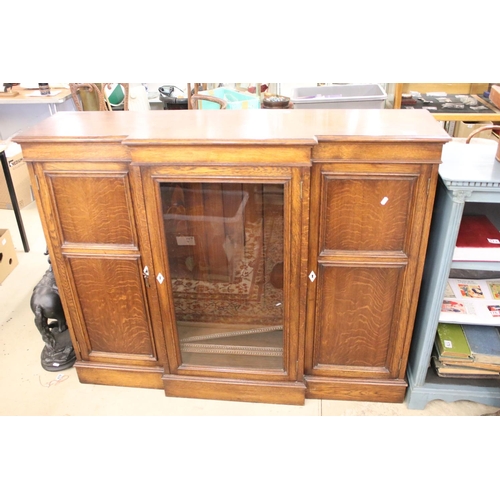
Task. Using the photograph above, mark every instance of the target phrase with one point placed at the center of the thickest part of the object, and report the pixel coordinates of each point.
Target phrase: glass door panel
(225, 245)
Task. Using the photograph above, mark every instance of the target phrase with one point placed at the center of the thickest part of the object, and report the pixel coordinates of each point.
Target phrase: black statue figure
(58, 353)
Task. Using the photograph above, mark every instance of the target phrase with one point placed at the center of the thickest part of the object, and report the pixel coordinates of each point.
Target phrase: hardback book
(475, 364)
(444, 370)
(478, 240)
(484, 343)
(451, 342)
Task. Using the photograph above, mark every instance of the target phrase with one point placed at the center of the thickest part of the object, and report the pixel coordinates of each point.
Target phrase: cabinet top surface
(238, 126)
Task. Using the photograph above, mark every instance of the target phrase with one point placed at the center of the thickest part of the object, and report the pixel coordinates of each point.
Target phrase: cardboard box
(464, 129)
(20, 178)
(8, 256)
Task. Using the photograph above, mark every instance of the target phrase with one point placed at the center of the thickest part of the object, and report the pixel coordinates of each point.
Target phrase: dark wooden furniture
(257, 255)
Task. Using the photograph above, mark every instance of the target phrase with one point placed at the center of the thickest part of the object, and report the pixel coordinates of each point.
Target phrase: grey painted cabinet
(469, 182)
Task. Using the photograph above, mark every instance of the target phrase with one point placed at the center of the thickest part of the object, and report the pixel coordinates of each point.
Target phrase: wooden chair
(91, 96)
(197, 97)
(126, 90)
(87, 97)
(194, 97)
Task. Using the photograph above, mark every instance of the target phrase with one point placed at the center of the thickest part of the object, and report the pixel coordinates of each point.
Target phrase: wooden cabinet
(258, 255)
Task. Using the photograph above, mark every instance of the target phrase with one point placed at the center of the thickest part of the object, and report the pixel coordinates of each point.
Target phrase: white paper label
(384, 200)
(185, 241)
(494, 241)
(448, 344)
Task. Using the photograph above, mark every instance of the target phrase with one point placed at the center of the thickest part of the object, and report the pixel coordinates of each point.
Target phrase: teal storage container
(234, 99)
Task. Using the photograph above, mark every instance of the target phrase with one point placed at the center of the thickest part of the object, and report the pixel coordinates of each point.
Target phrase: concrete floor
(26, 389)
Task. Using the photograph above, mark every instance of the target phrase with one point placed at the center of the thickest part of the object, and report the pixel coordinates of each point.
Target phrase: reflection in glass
(225, 253)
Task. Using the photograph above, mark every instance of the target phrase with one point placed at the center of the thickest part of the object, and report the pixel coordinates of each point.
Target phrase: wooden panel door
(364, 254)
(99, 239)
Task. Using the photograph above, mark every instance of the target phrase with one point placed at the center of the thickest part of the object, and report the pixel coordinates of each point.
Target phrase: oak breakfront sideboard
(256, 255)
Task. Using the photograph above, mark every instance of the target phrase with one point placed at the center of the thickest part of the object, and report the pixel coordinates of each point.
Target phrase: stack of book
(467, 351)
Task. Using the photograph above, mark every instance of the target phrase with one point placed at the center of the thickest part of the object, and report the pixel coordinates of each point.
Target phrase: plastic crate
(357, 96)
(234, 99)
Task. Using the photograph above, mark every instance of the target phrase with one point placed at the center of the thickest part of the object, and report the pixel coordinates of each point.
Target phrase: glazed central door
(224, 244)
(223, 266)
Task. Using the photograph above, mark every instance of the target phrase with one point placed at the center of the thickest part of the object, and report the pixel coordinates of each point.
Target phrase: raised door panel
(366, 213)
(354, 319)
(112, 305)
(94, 208)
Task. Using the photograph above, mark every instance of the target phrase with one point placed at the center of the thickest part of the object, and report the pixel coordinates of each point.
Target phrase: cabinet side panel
(355, 311)
(112, 303)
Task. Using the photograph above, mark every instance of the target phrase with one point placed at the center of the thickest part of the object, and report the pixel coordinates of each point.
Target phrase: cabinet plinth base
(291, 393)
(125, 376)
(379, 391)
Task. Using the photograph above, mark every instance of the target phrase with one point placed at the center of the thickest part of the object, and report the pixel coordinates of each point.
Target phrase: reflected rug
(250, 297)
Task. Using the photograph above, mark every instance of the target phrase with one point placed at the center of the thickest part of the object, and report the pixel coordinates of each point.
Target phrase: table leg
(13, 199)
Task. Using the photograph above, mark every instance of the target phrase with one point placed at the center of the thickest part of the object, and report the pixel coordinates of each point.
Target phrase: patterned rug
(249, 298)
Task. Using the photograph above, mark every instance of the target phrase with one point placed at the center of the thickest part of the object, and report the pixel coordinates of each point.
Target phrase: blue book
(484, 343)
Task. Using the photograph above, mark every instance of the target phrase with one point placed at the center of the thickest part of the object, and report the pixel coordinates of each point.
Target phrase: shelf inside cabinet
(252, 347)
(484, 391)
(459, 383)
(477, 266)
